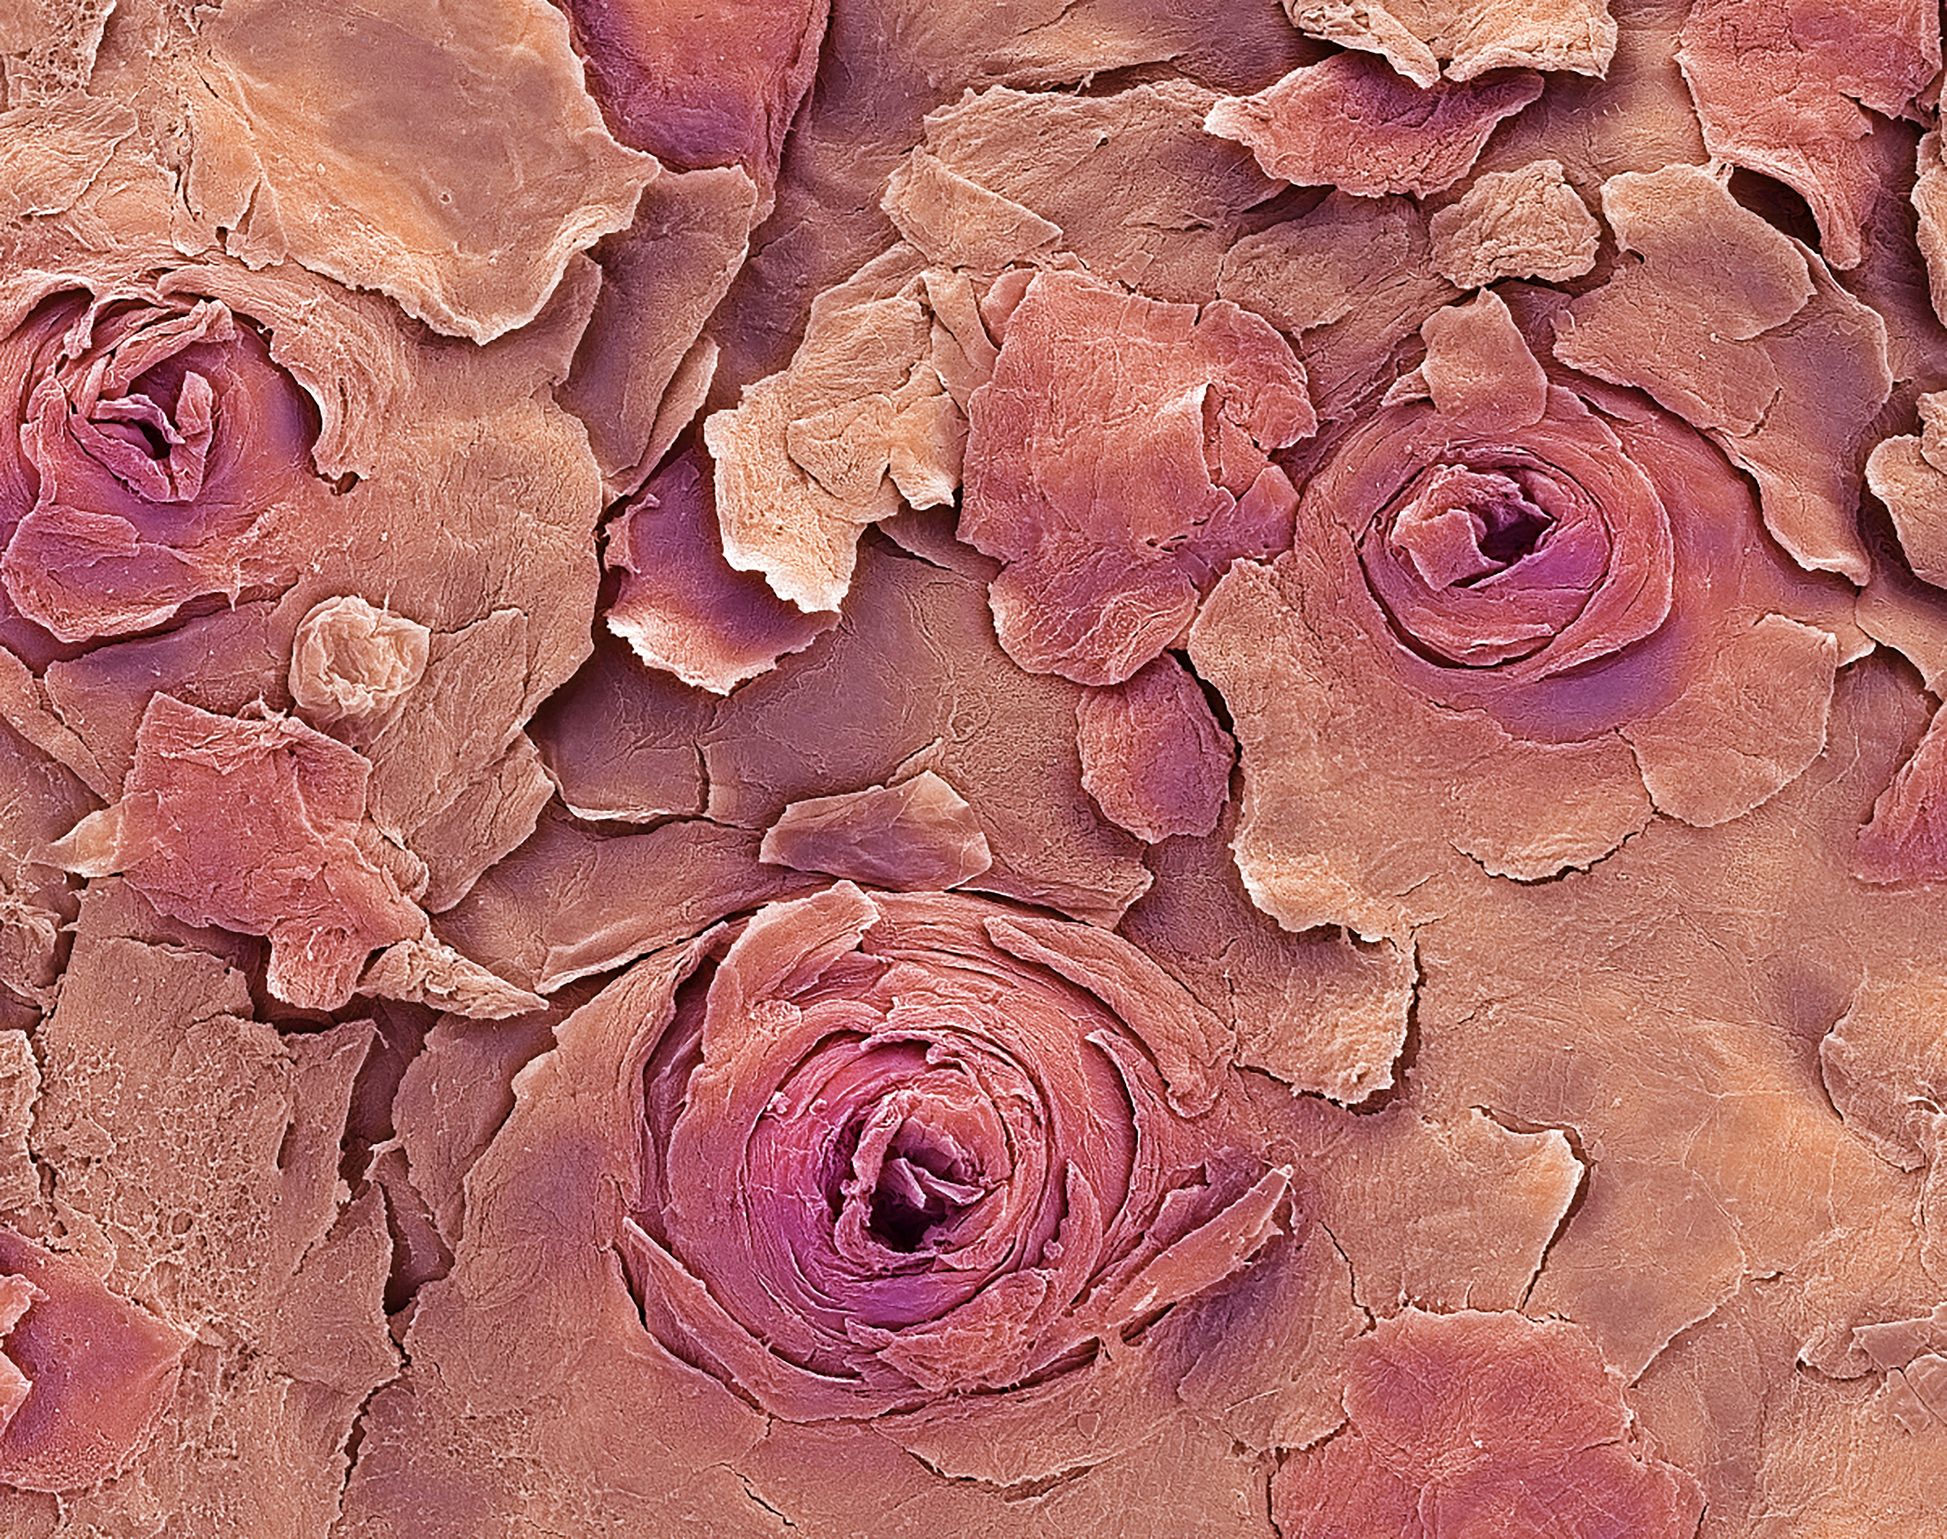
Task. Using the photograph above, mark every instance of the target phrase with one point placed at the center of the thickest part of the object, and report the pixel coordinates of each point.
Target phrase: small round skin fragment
(353, 662)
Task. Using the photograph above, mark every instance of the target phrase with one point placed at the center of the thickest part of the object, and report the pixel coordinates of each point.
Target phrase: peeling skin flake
(1781, 86)
(1319, 1011)
(205, 789)
(1420, 38)
(1905, 473)
(1503, 575)
(1114, 481)
(1930, 203)
(1787, 371)
(1884, 1064)
(1515, 224)
(669, 85)
(643, 366)
(917, 836)
(680, 606)
(1153, 756)
(457, 170)
(1352, 123)
(85, 1375)
(1477, 1422)
(1444, 1216)
(802, 463)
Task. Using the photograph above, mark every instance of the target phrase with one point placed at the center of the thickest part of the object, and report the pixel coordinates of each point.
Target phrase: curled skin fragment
(1782, 87)
(1482, 1423)
(642, 367)
(1115, 481)
(352, 663)
(1153, 756)
(1930, 204)
(255, 824)
(918, 835)
(1421, 38)
(85, 1375)
(1353, 124)
(680, 606)
(897, 1149)
(1905, 473)
(803, 460)
(1515, 224)
(1905, 840)
(1785, 370)
(456, 170)
(1885, 1064)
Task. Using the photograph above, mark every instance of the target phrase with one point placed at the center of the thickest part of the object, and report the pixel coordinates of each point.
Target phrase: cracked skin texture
(1597, 1093)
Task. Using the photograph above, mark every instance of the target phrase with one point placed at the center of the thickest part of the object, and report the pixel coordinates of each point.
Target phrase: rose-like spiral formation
(158, 448)
(1541, 548)
(901, 1146)
(1525, 559)
(1523, 612)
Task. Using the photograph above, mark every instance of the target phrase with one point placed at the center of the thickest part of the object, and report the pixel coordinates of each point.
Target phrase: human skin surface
(903, 768)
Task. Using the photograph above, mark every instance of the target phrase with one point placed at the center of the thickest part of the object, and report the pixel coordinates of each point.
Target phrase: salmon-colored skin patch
(255, 825)
(1351, 123)
(680, 605)
(1117, 461)
(97, 1371)
(1153, 756)
(1476, 1423)
(1781, 87)
(1906, 838)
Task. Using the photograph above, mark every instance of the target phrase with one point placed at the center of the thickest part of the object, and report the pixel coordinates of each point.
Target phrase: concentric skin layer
(1565, 576)
(904, 1146)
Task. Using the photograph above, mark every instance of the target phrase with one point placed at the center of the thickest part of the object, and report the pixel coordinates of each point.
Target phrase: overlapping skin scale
(1213, 868)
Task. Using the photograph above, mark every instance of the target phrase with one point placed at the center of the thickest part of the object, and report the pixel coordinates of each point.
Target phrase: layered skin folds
(162, 457)
(1497, 569)
(898, 1147)
(1113, 480)
(1122, 769)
